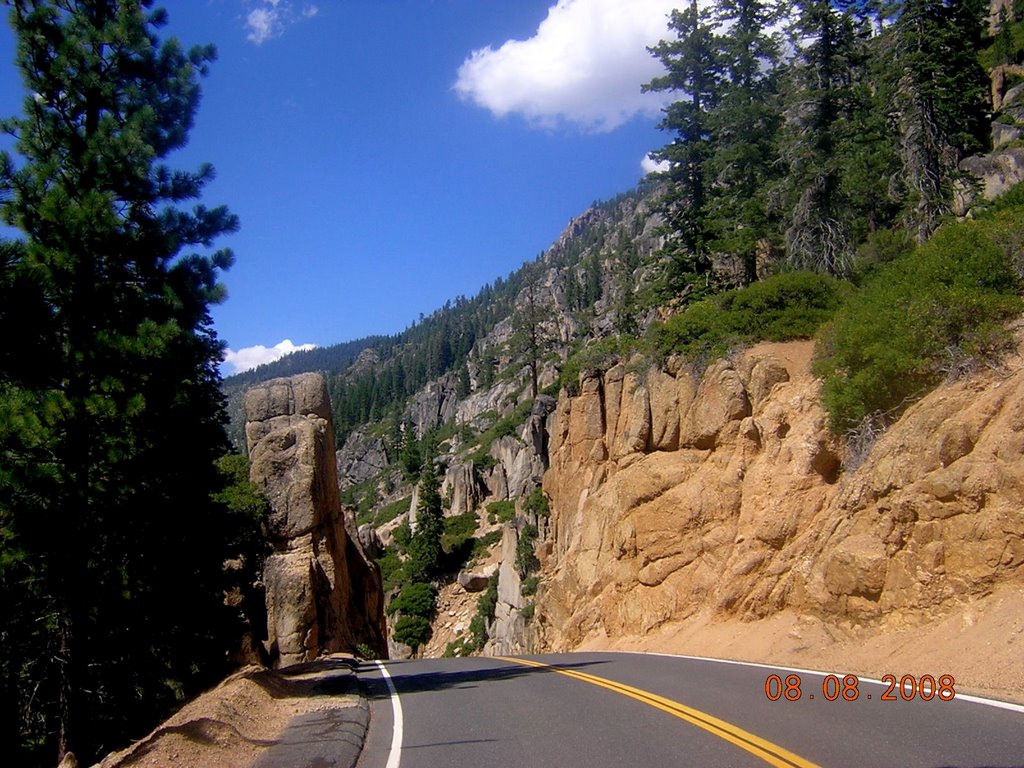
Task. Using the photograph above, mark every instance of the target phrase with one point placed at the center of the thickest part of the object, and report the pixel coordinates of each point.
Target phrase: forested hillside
(371, 379)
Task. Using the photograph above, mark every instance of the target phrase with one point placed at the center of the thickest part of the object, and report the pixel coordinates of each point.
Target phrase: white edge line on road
(959, 697)
(396, 707)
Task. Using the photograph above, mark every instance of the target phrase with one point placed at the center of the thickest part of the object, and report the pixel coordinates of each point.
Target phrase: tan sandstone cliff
(723, 499)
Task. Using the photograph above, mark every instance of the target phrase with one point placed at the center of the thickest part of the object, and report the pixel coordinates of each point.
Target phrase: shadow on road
(460, 675)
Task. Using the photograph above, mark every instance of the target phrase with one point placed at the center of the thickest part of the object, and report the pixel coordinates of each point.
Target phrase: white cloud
(584, 65)
(249, 357)
(262, 25)
(650, 165)
(270, 18)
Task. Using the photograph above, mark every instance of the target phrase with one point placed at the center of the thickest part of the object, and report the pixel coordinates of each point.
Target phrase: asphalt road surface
(610, 710)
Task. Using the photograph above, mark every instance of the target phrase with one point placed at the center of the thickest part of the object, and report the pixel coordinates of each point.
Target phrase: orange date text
(847, 688)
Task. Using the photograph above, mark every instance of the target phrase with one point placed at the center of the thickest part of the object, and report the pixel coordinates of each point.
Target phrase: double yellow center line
(772, 754)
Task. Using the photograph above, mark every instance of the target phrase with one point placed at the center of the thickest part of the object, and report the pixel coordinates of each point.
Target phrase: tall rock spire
(323, 591)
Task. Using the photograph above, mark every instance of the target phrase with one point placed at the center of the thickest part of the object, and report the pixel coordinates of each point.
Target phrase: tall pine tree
(112, 546)
(939, 99)
(693, 70)
(425, 551)
(867, 150)
(818, 230)
(743, 160)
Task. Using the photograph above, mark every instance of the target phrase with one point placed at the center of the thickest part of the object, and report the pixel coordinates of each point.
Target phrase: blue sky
(387, 155)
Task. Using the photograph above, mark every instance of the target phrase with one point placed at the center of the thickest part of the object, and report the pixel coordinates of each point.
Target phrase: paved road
(610, 710)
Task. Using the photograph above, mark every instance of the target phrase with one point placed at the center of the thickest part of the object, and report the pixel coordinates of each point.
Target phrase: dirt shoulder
(231, 725)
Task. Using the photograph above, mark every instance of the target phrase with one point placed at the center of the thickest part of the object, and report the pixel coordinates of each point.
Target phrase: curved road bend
(609, 710)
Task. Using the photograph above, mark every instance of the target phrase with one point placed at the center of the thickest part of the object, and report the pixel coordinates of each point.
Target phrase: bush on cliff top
(936, 313)
(597, 357)
(792, 305)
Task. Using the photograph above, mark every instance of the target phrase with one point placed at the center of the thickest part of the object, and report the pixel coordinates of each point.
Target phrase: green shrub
(506, 426)
(458, 648)
(791, 305)
(881, 247)
(918, 319)
(526, 561)
(458, 530)
(483, 464)
(596, 357)
(391, 511)
(1012, 199)
(509, 425)
(413, 631)
(488, 601)
(528, 611)
(363, 497)
(501, 511)
(403, 535)
(485, 606)
(478, 631)
(363, 651)
(529, 586)
(537, 504)
(392, 571)
(417, 598)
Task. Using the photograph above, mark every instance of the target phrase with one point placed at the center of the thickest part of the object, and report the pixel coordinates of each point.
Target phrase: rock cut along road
(609, 710)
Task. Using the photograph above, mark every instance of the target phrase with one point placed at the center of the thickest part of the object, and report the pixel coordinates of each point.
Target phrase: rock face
(520, 461)
(462, 488)
(998, 171)
(323, 592)
(361, 458)
(672, 494)
(508, 632)
(435, 404)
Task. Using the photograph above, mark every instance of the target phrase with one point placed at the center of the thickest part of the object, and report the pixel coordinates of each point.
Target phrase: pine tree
(409, 456)
(818, 231)
(743, 160)
(425, 551)
(693, 70)
(867, 150)
(531, 338)
(111, 541)
(1004, 46)
(939, 99)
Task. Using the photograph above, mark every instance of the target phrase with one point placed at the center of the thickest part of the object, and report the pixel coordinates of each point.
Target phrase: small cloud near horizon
(270, 18)
(247, 358)
(583, 66)
(649, 165)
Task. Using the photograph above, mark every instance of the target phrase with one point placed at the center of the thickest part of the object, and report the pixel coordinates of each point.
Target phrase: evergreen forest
(117, 509)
